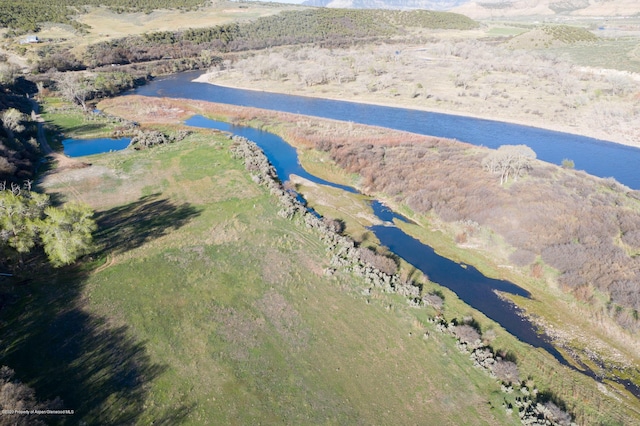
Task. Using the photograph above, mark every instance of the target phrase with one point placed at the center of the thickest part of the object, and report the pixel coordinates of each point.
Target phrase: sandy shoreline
(206, 78)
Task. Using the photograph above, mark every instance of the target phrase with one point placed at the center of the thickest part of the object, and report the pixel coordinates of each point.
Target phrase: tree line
(324, 27)
(27, 16)
(19, 149)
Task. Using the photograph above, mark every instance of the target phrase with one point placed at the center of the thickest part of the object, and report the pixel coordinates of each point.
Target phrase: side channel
(467, 282)
(471, 286)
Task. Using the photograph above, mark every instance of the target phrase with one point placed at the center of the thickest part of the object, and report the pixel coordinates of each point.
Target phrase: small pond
(82, 147)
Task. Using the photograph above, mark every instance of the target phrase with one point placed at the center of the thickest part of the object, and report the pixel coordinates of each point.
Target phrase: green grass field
(202, 306)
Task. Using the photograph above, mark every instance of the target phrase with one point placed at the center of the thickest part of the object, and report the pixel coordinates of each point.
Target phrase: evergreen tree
(27, 220)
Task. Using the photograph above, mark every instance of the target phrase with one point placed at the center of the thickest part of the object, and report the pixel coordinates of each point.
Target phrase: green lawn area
(202, 306)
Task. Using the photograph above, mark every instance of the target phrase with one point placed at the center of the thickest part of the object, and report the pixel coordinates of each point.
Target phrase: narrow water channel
(466, 281)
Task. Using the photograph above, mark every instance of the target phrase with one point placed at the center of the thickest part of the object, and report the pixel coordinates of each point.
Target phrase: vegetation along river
(596, 157)
(467, 282)
(475, 289)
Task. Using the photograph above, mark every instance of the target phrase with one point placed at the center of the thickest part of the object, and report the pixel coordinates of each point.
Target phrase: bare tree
(556, 414)
(506, 371)
(8, 73)
(509, 161)
(467, 334)
(17, 398)
(621, 84)
(11, 121)
(74, 87)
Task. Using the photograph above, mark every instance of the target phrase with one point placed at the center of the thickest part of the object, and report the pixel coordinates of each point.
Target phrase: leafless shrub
(382, 263)
(147, 139)
(626, 292)
(565, 257)
(419, 201)
(632, 238)
(522, 257)
(461, 237)
(467, 334)
(433, 299)
(506, 371)
(20, 397)
(556, 414)
(334, 225)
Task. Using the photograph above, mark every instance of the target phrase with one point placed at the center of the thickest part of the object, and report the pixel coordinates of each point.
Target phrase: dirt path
(15, 59)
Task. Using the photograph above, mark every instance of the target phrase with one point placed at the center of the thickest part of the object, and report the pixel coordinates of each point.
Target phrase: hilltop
(577, 8)
(497, 8)
(387, 4)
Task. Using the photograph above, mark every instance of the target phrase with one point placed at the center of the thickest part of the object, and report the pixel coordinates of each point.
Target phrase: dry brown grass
(466, 77)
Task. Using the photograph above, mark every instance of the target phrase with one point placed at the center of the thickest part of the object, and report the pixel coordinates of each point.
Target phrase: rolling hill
(497, 8)
(586, 8)
(388, 4)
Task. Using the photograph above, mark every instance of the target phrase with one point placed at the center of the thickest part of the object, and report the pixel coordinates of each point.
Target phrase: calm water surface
(82, 147)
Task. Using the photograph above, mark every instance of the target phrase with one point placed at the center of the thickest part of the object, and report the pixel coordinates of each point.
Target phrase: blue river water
(596, 157)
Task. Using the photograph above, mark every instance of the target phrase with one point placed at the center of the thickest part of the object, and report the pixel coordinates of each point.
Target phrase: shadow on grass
(123, 228)
(59, 348)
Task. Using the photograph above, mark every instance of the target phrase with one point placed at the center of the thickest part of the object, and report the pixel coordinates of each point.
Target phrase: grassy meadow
(201, 305)
(101, 23)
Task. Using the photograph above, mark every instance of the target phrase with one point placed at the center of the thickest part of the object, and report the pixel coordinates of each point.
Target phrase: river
(596, 157)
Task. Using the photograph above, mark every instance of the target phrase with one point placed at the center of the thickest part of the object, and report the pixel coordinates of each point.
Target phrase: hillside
(387, 4)
(497, 8)
(514, 8)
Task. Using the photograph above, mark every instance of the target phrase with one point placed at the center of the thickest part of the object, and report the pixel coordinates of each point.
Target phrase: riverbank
(525, 89)
(469, 178)
(214, 78)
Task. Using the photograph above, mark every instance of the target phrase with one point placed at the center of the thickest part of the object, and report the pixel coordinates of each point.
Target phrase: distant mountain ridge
(505, 8)
(496, 8)
(388, 4)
